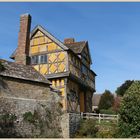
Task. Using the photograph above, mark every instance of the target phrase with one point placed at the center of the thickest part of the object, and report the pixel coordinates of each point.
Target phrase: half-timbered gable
(47, 56)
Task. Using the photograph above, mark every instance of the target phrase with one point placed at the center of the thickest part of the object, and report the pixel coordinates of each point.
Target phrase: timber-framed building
(66, 64)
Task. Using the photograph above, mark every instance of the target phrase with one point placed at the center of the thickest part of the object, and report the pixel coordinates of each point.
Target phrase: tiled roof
(76, 47)
(20, 71)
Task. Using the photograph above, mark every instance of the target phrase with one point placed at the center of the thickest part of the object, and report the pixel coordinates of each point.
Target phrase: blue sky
(112, 30)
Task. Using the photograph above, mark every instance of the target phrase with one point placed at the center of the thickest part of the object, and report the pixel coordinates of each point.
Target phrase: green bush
(87, 129)
(107, 111)
(129, 122)
(107, 100)
(123, 88)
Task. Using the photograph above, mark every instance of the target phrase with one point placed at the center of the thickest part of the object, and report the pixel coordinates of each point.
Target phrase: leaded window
(39, 59)
(34, 59)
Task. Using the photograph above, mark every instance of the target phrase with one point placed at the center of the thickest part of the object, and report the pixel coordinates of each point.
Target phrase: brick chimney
(68, 40)
(22, 53)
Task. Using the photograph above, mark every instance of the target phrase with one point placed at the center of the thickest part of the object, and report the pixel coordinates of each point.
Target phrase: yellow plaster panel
(61, 67)
(52, 57)
(34, 49)
(52, 47)
(43, 69)
(52, 68)
(36, 67)
(41, 40)
(61, 56)
(35, 41)
(42, 48)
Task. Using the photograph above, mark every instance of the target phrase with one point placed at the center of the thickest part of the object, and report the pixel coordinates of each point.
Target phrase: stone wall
(70, 123)
(46, 125)
(74, 120)
(22, 98)
(12, 87)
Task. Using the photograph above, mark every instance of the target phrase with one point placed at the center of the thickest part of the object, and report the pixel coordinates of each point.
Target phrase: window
(84, 69)
(43, 59)
(39, 59)
(34, 59)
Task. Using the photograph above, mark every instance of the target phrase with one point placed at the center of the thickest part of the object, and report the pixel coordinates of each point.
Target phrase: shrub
(129, 122)
(123, 88)
(116, 104)
(87, 129)
(106, 101)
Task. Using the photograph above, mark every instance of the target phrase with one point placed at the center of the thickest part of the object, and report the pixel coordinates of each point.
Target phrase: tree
(129, 122)
(116, 104)
(107, 100)
(122, 89)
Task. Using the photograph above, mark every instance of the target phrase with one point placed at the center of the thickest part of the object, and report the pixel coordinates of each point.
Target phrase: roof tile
(20, 71)
(76, 47)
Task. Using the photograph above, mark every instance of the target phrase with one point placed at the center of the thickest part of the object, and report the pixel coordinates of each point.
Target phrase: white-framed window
(34, 59)
(42, 59)
(39, 59)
